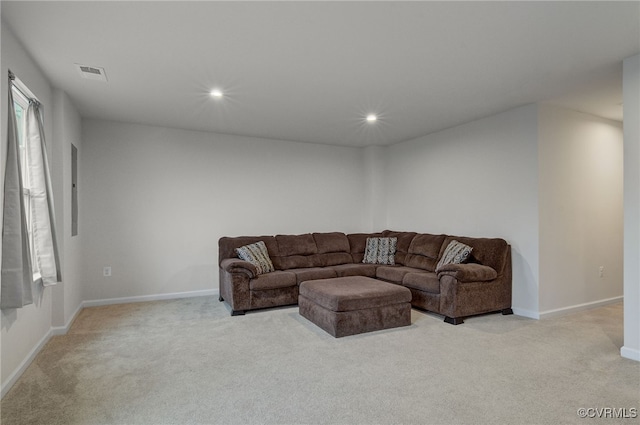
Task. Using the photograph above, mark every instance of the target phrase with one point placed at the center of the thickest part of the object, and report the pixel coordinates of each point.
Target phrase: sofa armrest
(236, 265)
(468, 272)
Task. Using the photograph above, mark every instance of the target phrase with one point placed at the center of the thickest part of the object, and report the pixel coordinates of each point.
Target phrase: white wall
(375, 187)
(631, 88)
(156, 200)
(581, 209)
(22, 329)
(67, 130)
(477, 179)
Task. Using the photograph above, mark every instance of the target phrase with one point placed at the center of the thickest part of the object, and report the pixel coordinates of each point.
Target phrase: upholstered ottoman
(356, 304)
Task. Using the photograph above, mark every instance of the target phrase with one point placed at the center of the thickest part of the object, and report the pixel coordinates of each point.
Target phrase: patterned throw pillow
(456, 253)
(380, 251)
(256, 254)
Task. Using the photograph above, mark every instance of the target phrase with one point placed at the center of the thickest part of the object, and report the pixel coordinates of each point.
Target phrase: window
(28, 211)
(20, 105)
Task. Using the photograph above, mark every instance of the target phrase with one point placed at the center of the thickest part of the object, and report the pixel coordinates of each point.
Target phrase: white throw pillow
(456, 253)
(380, 251)
(256, 254)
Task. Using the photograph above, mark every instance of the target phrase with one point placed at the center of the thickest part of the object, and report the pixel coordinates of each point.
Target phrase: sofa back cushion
(492, 252)
(424, 250)
(295, 251)
(331, 242)
(228, 245)
(333, 248)
(404, 241)
(358, 244)
(296, 244)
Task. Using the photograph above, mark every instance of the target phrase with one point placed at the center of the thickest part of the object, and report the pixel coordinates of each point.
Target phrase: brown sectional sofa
(480, 285)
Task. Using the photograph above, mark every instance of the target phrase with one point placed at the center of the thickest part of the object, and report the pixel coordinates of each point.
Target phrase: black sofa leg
(237, 312)
(220, 298)
(454, 320)
(506, 311)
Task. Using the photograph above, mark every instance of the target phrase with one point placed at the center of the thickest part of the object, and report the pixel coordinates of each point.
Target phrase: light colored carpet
(188, 362)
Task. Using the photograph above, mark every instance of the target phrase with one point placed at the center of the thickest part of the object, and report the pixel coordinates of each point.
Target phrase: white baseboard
(525, 313)
(579, 307)
(62, 330)
(13, 378)
(630, 353)
(143, 298)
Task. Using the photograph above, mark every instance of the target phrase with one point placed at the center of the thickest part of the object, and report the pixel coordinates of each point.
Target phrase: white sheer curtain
(31, 224)
(45, 246)
(17, 275)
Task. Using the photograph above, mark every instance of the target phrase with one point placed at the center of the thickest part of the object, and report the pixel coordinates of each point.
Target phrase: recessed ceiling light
(372, 118)
(217, 93)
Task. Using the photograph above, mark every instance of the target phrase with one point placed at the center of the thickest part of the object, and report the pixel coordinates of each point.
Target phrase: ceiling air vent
(91, 72)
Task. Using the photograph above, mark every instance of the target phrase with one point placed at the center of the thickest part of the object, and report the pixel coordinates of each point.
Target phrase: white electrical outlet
(601, 271)
(106, 271)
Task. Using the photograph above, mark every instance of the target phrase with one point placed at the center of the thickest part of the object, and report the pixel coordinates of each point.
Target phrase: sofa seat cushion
(427, 282)
(353, 293)
(395, 274)
(368, 270)
(311, 273)
(273, 280)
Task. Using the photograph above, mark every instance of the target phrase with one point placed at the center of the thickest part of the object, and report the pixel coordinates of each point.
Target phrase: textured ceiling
(312, 71)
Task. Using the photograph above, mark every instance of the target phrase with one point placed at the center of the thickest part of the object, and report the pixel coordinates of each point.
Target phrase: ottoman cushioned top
(353, 293)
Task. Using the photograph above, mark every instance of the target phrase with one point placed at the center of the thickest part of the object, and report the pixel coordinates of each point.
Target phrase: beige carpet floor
(188, 362)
